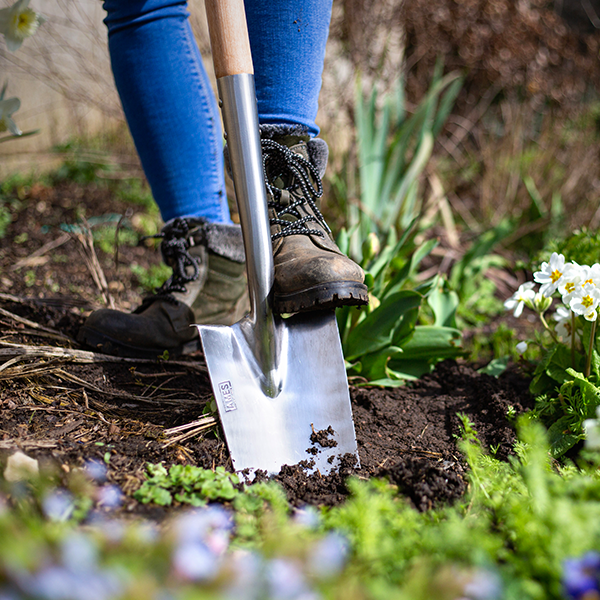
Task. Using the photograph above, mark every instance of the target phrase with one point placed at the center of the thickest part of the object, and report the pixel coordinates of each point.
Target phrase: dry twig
(189, 430)
(31, 260)
(88, 251)
(33, 325)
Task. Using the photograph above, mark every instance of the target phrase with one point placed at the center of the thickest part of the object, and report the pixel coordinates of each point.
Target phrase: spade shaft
(235, 81)
(280, 383)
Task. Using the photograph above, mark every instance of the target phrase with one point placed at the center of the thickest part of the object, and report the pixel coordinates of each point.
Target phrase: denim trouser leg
(288, 39)
(169, 104)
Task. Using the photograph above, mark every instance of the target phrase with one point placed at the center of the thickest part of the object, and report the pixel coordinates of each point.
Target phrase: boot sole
(322, 297)
(100, 342)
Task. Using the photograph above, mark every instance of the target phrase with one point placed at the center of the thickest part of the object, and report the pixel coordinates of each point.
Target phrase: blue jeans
(168, 100)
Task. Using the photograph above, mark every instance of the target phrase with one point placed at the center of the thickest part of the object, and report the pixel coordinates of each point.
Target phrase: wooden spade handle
(229, 37)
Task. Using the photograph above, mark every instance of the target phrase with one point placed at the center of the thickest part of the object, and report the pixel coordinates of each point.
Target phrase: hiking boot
(310, 270)
(208, 286)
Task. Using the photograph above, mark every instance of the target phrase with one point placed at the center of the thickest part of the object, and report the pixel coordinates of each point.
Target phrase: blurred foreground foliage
(507, 539)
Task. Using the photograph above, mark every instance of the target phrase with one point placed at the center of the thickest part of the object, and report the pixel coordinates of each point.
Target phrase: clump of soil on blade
(68, 408)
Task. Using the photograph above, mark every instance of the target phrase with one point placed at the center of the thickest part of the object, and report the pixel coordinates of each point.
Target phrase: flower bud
(541, 303)
(371, 247)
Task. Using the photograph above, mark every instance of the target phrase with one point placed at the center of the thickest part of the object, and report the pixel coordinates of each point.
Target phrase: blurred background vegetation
(473, 123)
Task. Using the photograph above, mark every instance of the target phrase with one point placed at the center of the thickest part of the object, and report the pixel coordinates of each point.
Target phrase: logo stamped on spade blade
(226, 390)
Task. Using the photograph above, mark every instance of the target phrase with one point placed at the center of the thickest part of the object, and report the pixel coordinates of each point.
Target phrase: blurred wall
(62, 76)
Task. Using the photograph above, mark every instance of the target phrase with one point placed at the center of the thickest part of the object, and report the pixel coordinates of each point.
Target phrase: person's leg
(174, 121)
(288, 39)
(169, 105)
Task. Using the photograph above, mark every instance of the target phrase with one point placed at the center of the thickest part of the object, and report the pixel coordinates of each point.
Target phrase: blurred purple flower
(307, 516)
(59, 583)
(96, 470)
(286, 582)
(195, 525)
(110, 496)
(483, 585)
(193, 561)
(147, 532)
(58, 505)
(329, 555)
(581, 577)
(246, 581)
(79, 552)
(217, 541)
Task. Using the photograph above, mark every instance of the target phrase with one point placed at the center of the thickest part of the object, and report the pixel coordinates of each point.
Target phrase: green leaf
(444, 303)
(431, 341)
(405, 329)
(153, 493)
(560, 437)
(376, 330)
(495, 367)
(590, 392)
(410, 267)
(410, 369)
(388, 383)
(374, 364)
(22, 135)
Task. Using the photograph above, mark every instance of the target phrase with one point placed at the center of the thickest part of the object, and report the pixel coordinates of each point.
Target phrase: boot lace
(174, 248)
(279, 162)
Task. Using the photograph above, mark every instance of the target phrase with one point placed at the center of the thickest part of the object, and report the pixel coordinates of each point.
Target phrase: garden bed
(65, 410)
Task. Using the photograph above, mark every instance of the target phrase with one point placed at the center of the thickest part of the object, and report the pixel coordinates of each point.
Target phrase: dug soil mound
(63, 404)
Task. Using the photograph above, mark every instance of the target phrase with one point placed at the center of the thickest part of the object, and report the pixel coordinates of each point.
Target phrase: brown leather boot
(310, 270)
(208, 286)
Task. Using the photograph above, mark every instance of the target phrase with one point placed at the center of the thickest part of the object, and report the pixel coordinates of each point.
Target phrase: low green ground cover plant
(187, 484)
(527, 529)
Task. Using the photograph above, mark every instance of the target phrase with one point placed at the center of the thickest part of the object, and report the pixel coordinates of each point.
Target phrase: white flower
(564, 325)
(573, 277)
(521, 347)
(18, 22)
(524, 295)
(550, 273)
(585, 301)
(7, 108)
(591, 428)
(591, 274)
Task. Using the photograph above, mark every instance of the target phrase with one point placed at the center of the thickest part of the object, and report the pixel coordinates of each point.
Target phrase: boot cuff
(318, 154)
(219, 238)
(224, 240)
(269, 132)
(318, 151)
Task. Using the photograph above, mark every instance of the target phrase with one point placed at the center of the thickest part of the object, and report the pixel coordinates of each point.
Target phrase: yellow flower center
(555, 275)
(24, 24)
(569, 287)
(588, 281)
(587, 301)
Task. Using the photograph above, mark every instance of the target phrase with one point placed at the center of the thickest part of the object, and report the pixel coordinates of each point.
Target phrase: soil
(64, 409)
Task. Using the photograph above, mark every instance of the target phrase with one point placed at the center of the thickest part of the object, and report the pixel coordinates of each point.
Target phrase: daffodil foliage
(566, 381)
(389, 342)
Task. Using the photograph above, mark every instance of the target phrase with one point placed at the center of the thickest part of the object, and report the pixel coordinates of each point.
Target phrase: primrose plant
(566, 381)
(17, 23)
